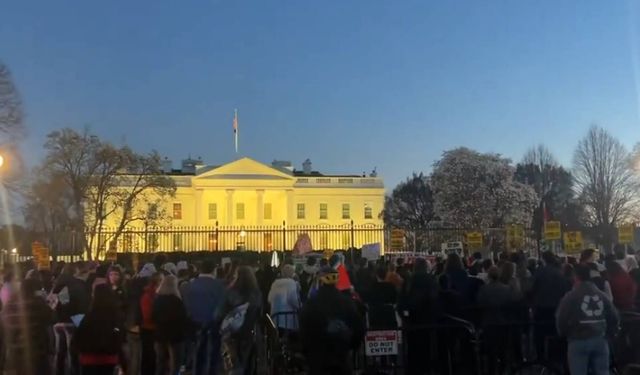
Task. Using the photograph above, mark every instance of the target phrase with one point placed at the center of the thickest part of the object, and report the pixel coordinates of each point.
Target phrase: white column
(198, 208)
(230, 212)
(260, 206)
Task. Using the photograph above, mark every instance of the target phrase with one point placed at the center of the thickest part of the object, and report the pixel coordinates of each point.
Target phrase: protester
(170, 322)
(307, 275)
(623, 287)
(508, 278)
(393, 278)
(284, 299)
(549, 286)
(330, 327)
(147, 326)
(586, 317)
(337, 263)
(26, 320)
(202, 297)
(100, 335)
(238, 315)
(115, 281)
(381, 301)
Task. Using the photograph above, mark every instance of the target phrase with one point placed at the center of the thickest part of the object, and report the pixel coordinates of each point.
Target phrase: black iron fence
(268, 238)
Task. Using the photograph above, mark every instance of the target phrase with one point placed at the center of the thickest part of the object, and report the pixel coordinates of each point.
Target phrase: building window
(324, 211)
(240, 211)
(346, 211)
(368, 211)
(300, 211)
(267, 211)
(213, 211)
(177, 211)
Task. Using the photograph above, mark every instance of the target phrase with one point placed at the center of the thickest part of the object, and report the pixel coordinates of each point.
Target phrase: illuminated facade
(249, 196)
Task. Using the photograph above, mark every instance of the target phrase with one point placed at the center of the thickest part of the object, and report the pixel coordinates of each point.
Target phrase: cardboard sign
(474, 239)
(381, 343)
(397, 240)
(371, 251)
(626, 234)
(303, 244)
(515, 236)
(573, 242)
(41, 256)
(552, 231)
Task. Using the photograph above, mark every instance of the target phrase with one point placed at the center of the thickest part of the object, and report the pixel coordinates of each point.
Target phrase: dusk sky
(350, 84)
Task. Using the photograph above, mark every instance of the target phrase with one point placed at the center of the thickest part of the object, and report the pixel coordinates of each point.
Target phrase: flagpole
(235, 128)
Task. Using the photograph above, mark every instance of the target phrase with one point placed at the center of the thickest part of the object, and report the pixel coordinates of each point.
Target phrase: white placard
(371, 251)
(381, 343)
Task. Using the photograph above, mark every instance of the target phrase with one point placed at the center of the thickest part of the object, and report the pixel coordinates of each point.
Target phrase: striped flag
(235, 129)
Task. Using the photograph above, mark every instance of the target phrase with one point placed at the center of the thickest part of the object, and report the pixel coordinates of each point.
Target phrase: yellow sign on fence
(626, 234)
(474, 239)
(552, 230)
(40, 255)
(573, 242)
(515, 236)
(397, 240)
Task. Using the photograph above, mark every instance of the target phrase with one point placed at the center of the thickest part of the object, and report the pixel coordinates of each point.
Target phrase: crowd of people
(202, 318)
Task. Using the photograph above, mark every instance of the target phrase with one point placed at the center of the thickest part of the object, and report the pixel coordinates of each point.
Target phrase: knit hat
(170, 267)
(147, 270)
(182, 265)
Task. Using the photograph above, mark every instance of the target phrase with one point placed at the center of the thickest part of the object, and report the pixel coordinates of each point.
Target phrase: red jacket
(146, 307)
(624, 290)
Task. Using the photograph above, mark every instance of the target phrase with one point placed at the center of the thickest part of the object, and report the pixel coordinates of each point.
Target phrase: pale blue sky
(349, 84)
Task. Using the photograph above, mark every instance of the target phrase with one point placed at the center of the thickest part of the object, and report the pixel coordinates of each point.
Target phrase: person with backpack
(238, 317)
(586, 317)
(100, 335)
(330, 327)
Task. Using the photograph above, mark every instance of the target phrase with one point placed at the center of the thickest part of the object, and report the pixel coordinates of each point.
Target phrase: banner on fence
(40, 255)
(552, 231)
(625, 234)
(474, 239)
(303, 244)
(371, 251)
(573, 242)
(397, 240)
(379, 343)
(515, 236)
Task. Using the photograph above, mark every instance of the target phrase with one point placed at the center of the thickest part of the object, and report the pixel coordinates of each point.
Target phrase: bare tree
(605, 180)
(104, 181)
(12, 127)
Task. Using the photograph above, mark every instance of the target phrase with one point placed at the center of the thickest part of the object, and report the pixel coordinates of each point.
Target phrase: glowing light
(243, 233)
(14, 250)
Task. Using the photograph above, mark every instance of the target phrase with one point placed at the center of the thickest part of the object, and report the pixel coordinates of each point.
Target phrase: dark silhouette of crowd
(207, 318)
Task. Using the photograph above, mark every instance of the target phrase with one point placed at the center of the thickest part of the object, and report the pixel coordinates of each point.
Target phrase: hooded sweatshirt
(284, 297)
(586, 312)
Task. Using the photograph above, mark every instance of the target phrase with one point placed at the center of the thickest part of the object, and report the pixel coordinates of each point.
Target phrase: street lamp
(1, 161)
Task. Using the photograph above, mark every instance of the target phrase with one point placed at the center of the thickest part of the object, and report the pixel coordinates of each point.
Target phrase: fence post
(284, 235)
(217, 235)
(352, 240)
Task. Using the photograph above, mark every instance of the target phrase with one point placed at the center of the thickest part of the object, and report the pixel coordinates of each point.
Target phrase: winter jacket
(549, 286)
(494, 298)
(586, 312)
(284, 297)
(99, 338)
(330, 327)
(146, 307)
(381, 303)
(202, 297)
(624, 290)
(169, 318)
